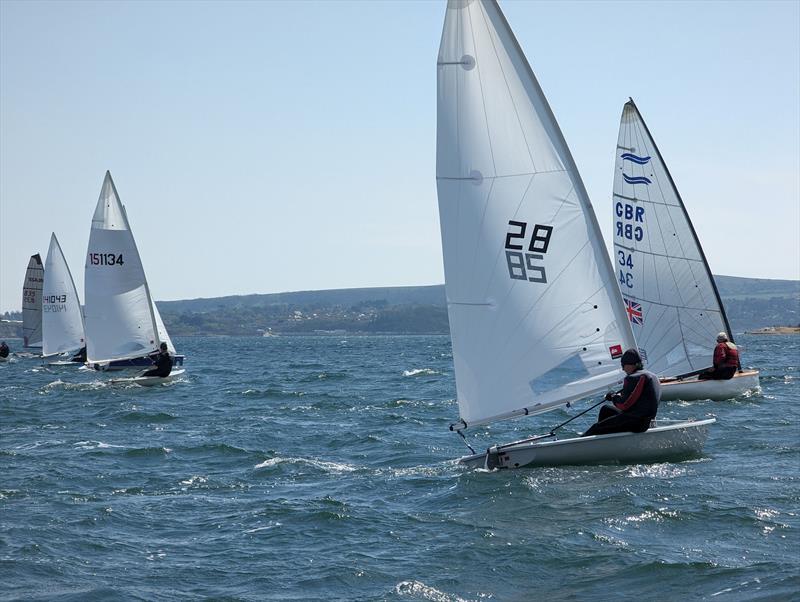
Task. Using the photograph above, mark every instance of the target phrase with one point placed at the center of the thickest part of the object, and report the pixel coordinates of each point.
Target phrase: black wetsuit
(4, 350)
(634, 407)
(80, 356)
(163, 367)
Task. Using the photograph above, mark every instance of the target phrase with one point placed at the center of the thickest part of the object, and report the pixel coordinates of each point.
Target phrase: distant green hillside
(733, 287)
(750, 303)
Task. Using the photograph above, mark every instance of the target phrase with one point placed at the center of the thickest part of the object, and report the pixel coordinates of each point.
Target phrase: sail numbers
(521, 264)
(105, 259)
(54, 303)
(630, 226)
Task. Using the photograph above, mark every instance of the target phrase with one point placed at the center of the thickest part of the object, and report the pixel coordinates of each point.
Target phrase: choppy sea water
(321, 468)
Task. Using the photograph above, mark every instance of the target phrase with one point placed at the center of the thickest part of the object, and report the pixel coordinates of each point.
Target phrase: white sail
(120, 323)
(163, 335)
(536, 316)
(62, 319)
(32, 303)
(668, 289)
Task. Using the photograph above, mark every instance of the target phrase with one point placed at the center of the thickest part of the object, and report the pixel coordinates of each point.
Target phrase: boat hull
(666, 440)
(693, 389)
(135, 363)
(147, 381)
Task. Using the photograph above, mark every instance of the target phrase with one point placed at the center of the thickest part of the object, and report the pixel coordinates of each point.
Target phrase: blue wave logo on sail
(636, 180)
(635, 158)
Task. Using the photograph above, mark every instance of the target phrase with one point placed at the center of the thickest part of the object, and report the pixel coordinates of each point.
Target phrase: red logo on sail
(616, 351)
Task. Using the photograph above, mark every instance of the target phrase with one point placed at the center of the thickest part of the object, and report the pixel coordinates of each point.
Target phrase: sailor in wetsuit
(80, 356)
(635, 406)
(726, 360)
(4, 350)
(163, 363)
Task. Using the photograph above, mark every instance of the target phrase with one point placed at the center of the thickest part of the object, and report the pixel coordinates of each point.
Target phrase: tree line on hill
(750, 303)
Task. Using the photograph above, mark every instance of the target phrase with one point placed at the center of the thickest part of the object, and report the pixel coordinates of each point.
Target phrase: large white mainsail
(62, 319)
(32, 303)
(536, 317)
(120, 323)
(668, 289)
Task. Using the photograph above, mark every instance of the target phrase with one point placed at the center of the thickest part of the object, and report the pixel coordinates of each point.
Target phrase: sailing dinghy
(32, 304)
(123, 326)
(536, 316)
(62, 319)
(669, 292)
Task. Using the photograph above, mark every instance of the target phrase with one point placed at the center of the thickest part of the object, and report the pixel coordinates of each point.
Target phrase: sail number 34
(105, 259)
(521, 264)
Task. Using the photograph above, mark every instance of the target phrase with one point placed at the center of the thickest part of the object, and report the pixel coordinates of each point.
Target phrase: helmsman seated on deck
(726, 360)
(635, 405)
(163, 362)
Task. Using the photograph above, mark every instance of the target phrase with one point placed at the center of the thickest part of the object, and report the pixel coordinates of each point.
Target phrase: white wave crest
(332, 467)
(417, 589)
(95, 445)
(420, 372)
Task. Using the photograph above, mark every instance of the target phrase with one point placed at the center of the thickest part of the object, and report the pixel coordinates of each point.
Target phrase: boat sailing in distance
(32, 304)
(668, 289)
(62, 318)
(536, 316)
(123, 326)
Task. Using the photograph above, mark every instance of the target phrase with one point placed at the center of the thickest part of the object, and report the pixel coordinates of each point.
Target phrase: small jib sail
(62, 318)
(669, 293)
(163, 335)
(536, 316)
(120, 322)
(32, 303)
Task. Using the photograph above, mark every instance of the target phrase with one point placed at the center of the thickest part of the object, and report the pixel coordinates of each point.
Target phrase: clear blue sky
(275, 146)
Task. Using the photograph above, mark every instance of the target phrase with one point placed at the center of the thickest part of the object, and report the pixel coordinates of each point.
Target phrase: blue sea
(322, 468)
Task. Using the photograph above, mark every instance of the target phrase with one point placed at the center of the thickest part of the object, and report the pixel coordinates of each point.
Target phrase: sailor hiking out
(635, 405)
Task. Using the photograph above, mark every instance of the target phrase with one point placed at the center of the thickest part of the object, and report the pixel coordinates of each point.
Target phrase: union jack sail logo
(634, 311)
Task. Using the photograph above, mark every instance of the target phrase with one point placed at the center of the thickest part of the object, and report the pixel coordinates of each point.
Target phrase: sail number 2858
(521, 264)
(106, 259)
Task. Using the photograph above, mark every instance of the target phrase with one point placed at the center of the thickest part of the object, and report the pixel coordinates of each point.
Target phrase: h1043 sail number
(106, 259)
(520, 263)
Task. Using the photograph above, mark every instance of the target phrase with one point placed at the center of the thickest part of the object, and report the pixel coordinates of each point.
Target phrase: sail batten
(536, 316)
(668, 289)
(62, 319)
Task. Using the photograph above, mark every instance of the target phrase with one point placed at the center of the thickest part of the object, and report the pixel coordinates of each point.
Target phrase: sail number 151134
(521, 263)
(106, 259)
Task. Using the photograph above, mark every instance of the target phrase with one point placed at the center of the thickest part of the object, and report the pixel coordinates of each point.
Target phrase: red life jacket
(726, 355)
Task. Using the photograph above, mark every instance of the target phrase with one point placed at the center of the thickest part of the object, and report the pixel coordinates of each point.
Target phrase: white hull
(64, 363)
(667, 440)
(718, 390)
(146, 381)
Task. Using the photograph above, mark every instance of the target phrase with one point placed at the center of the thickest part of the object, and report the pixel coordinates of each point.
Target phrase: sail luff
(667, 286)
(62, 321)
(535, 312)
(32, 303)
(688, 221)
(119, 318)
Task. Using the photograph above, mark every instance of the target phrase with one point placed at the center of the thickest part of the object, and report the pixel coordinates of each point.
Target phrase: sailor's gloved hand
(609, 396)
